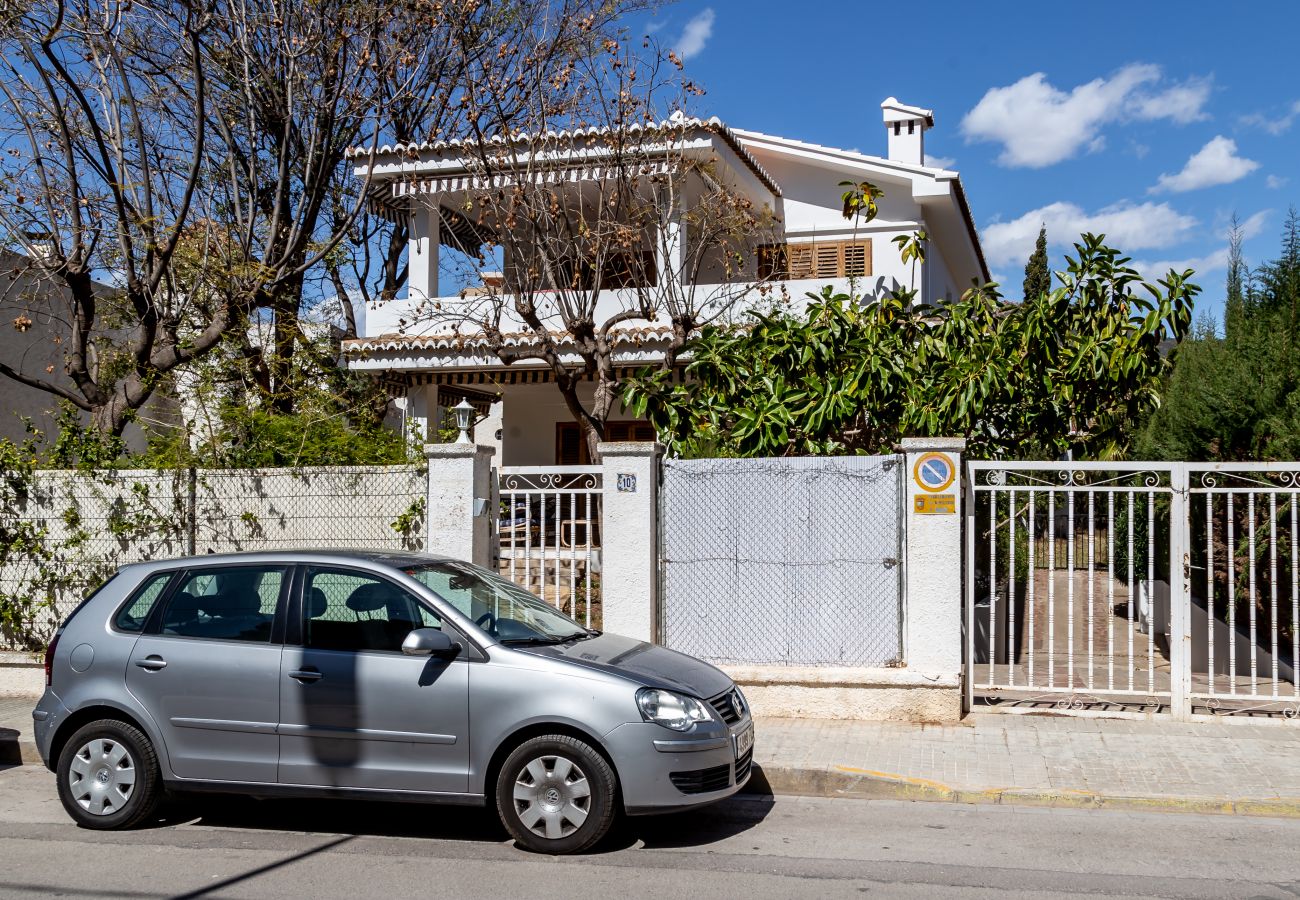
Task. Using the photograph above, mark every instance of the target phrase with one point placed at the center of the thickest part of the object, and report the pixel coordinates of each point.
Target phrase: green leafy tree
(1038, 278)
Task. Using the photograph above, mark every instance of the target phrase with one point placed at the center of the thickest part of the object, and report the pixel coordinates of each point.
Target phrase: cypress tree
(1038, 280)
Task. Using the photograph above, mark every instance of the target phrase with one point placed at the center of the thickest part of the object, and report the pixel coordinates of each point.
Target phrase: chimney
(906, 126)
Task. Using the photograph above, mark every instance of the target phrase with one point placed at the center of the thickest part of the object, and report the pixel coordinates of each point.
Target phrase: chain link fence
(783, 561)
(62, 533)
(359, 507)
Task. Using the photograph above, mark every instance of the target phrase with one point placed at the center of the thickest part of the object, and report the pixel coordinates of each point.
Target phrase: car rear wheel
(108, 775)
(556, 794)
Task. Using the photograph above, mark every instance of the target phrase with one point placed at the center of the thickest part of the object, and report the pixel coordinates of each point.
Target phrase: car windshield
(499, 608)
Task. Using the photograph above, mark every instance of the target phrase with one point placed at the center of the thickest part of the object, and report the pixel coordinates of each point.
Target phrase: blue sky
(1151, 121)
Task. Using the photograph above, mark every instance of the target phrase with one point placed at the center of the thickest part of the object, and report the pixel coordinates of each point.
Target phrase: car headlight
(670, 709)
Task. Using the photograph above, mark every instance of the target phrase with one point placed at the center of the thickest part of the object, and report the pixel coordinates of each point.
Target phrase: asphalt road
(750, 848)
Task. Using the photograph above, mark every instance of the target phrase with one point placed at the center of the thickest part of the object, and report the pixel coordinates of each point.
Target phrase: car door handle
(306, 676)
(152, 663)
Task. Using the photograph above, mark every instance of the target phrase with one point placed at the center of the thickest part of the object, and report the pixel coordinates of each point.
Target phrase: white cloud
(1275, 182)
(1180, 103)
(1156, 269)
(696, 34)
(1126, 226)
(1215, 163)
(1253, 225)
(1273, 124)
(1038, 124)
(940, 162)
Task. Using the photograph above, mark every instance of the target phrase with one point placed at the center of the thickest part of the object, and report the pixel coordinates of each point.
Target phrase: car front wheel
(556, 794)
(108, 775)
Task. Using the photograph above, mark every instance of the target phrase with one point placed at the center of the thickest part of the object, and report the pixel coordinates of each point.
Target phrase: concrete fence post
(932, 573)
(458, 502)
(629, 539)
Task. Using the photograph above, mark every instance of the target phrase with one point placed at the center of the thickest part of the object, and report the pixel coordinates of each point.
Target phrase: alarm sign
(934, 472)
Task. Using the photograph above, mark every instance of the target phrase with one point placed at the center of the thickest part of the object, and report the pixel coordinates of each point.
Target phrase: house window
(816, 259)
(571, 449)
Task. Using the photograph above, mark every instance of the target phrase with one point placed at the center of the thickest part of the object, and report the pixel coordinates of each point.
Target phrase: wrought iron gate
(791, 561)
(1134, 588)
(548, 534)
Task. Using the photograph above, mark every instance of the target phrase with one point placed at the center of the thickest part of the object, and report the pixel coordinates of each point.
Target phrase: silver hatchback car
(372, 675)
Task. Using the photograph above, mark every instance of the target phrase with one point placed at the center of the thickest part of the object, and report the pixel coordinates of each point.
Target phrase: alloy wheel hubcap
(552, 797)
(102, 776)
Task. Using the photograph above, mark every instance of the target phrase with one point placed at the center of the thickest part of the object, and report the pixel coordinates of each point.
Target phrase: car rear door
(356, 712)
(208, 668)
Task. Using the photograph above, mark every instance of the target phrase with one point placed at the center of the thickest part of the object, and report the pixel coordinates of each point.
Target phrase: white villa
(432, 367)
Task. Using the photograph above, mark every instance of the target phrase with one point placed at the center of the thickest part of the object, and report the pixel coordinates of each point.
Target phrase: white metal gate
(1134, 587)
(790, 561)
(549, 535)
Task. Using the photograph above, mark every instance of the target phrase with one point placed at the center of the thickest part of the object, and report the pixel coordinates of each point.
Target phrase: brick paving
(1227, 760)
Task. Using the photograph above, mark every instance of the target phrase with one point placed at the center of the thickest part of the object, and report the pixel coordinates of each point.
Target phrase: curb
(847, 781)
(866, 784)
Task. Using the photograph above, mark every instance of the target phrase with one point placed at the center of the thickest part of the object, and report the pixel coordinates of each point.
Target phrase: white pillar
(490, 431)
(458, 505)
(422, 253)
(670, 249)
(932, 574)
(420, 411)
(629, 551)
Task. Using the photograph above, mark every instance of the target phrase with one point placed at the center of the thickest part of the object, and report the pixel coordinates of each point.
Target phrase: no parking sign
(934, 472)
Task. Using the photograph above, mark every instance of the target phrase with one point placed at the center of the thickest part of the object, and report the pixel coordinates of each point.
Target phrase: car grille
(701, 781)
(742, 766)
(728, 706)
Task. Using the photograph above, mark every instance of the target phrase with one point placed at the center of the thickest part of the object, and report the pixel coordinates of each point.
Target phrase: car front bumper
(661, 770)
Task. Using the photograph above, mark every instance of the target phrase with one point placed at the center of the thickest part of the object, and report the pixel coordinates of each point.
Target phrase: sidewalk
(1218, 767)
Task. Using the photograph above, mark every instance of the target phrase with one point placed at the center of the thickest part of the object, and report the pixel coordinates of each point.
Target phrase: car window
(135, 612)
(234, 603)
(347, 610)
(499, 608)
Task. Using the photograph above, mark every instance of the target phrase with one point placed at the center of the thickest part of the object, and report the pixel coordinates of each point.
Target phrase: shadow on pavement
(689, 828)
(10, 754)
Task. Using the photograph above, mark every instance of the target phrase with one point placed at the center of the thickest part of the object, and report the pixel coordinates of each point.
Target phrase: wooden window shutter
(819, 259)
(800, 261)
(828, 259)
(570, 448)
(857, 258)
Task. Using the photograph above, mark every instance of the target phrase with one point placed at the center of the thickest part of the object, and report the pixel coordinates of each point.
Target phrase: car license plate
(744, 741)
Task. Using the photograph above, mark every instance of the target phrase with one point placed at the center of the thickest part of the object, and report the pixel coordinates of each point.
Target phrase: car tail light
(49, 659)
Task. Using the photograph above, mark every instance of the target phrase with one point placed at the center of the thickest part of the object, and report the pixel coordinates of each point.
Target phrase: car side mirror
(429, 642)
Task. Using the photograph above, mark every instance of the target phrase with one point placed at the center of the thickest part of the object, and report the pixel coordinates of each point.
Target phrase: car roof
(391, 558)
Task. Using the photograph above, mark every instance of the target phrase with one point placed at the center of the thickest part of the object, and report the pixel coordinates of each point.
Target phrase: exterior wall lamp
(464, 419)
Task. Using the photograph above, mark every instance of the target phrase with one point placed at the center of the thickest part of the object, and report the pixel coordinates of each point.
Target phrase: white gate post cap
(923, 444)
(629, 448)
(456, 451)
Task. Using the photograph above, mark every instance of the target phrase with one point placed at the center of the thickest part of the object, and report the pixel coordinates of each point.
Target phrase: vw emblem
(552, 796)
(738, 702)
